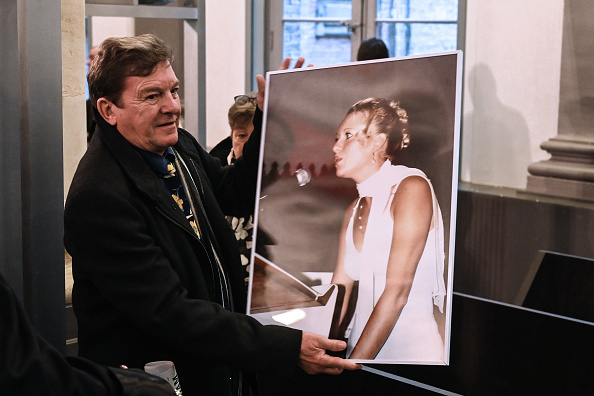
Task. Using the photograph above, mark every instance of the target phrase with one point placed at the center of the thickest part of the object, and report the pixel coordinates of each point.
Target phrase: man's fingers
(261, 91)
(350, 365)
(314, 359)
(334, 362)
(285, 64)
(332, 370)
(299, 62)
(333, 345)
(329, 365)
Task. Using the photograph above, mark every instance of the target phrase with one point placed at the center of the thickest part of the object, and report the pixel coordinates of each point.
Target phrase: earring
(373, 158)
(405, 141)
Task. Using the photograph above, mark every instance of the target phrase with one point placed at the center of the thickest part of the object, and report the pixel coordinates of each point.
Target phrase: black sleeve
(240, 183)
(241, 186)
(234, 186)
(222, 150)
(30, 366)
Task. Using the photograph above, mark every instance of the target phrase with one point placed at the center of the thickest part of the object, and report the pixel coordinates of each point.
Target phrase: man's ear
(105, 107)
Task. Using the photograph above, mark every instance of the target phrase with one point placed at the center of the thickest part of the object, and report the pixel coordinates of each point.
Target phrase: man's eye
(348, 135)
(151, 97)
(174, 92)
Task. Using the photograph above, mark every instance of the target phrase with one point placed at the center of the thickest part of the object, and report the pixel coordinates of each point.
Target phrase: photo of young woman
(391, 242)
(357, 205)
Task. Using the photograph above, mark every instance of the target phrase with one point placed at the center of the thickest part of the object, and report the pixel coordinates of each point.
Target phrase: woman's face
(353, 153)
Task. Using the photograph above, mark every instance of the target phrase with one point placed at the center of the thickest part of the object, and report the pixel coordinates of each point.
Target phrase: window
(415, 27)
(315, 30)
(329, 31)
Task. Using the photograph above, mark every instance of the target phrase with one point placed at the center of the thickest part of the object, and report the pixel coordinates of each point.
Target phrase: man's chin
(168, 141)
(172, 139)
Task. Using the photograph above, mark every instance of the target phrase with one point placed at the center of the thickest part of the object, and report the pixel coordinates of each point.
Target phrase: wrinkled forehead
(143, 70)
(161, 73)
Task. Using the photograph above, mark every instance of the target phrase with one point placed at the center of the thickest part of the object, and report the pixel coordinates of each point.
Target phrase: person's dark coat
(143, 285)
(30, 366)
(222, 149)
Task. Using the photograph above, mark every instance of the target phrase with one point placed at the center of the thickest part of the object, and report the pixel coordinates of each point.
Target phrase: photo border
(312, 97)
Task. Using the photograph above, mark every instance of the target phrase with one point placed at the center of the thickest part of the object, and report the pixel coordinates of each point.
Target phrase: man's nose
(171, 104)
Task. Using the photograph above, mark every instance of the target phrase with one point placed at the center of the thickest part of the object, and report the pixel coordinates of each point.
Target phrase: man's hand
(261, 81)
(313, 358)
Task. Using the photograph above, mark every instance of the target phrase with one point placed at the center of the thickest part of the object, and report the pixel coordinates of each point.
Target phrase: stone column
(31, 152)
(570, 170)
(73, 86)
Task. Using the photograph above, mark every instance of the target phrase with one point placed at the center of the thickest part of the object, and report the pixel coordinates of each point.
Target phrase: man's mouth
(166, 124)
(337, 160)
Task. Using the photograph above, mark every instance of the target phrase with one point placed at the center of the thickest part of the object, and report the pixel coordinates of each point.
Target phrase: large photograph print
(355, 220)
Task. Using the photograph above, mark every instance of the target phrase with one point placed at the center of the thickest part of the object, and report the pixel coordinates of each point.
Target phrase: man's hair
(372, 48)
(121, 57)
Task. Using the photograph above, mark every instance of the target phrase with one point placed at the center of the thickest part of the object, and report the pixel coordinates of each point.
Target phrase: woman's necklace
(363, 214)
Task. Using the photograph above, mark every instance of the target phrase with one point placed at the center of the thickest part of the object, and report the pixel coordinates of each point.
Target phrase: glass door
(322, 31)
(327, 32)
(415, 27)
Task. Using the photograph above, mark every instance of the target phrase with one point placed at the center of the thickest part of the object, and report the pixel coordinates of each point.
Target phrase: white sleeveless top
(415, 336)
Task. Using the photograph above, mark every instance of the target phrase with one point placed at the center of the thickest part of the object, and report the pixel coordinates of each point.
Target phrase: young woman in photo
(391, 249)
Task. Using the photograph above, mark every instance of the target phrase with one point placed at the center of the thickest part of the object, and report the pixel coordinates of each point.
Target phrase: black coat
(222, 149)
(30, 366)
(142, 282)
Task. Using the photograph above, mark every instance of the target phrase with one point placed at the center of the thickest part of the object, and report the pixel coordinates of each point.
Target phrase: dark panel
(10, 177)
(497, 349)
(501, 231)
(42, 172)
(562, 285)
(31, 157)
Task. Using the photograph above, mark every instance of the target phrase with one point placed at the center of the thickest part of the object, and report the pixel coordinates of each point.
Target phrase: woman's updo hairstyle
(385, 116)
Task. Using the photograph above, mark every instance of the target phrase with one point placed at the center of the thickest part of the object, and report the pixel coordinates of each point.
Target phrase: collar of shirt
(158, 163)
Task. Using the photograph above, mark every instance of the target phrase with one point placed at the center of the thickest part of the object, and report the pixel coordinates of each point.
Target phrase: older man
(156, 267)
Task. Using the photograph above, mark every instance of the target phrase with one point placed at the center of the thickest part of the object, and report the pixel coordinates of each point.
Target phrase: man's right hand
(313, 358)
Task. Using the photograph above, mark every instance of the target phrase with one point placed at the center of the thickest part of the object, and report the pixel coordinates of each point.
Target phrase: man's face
(148, 112)
(92, 54)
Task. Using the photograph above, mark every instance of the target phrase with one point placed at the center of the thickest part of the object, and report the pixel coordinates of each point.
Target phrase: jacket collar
(138, 171)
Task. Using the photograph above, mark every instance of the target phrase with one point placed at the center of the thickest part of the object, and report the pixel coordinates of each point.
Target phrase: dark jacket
(143, 286)
(222, 149)
(30, 366)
